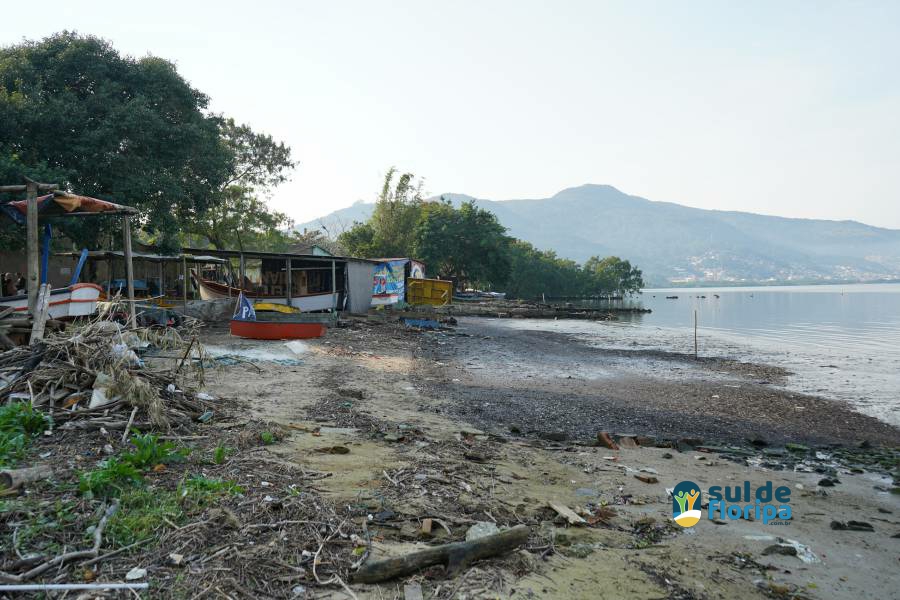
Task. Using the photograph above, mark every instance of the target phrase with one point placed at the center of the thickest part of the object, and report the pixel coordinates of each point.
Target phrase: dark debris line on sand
(630, 400)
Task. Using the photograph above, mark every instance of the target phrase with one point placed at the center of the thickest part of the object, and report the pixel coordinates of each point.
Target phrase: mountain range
(676, 244)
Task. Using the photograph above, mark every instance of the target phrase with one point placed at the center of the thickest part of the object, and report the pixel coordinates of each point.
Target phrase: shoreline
(362, 433)
(524, 375)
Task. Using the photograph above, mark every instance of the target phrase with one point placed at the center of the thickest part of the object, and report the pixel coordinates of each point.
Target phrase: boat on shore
(262, 322)
(213, 290)
(277, 330)
(76, 300)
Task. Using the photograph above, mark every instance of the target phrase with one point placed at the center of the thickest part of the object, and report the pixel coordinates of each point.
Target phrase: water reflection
(841, 341)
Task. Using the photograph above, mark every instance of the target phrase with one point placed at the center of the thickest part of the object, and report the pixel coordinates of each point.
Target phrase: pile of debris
(94, 377)
(15, 329)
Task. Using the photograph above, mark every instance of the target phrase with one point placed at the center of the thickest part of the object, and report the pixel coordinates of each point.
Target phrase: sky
(785, 108)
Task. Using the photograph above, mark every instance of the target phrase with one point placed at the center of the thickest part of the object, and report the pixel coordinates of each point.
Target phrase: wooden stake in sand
(695, 333)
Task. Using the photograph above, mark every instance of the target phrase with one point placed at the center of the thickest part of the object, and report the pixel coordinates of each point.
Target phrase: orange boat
(276, 330)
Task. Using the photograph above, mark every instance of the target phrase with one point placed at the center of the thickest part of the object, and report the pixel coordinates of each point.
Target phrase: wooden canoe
(213, 290)
(276, 330)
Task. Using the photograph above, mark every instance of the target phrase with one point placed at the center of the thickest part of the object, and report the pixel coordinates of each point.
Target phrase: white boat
(213, 290)
(78, 300)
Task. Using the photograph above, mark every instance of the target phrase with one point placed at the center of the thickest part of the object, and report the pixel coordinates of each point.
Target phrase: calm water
(841, 341)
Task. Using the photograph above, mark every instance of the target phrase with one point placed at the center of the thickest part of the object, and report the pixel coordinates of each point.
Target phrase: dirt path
(379, 393)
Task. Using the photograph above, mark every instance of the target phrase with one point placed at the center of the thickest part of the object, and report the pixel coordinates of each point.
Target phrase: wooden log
(14, 478)
(456, 556)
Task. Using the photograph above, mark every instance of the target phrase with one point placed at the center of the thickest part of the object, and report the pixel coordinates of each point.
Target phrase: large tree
(390, 231)
(467, 244)
(612, 275)
(239, 218)
(75, 111)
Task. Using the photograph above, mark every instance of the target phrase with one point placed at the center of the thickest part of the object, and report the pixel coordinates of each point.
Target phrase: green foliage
(19, 422)
(467, 244)
(20, 417)
(75, 111)
(613, 275)
(199, 492)
(12, 448)
(219, 454)
(110, 479)
(239, 218)
(267, 437)
(534, 272)
(390, 231)
(119, 473)
(149, 451)
(142, 512)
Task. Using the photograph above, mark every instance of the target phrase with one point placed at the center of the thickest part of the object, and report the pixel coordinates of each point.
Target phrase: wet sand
(553, 383)
(388, 395)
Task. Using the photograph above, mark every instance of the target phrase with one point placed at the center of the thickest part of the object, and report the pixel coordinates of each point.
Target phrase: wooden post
(288, 281)
(241, 275)
(33, 253)
(186, 281)
(162, 283)
(695, 333)
(129, 268)
(39, 316)
(333, 288)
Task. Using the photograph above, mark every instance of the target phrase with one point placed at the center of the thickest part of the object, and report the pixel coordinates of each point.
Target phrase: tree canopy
(76, 112)
(467, 244)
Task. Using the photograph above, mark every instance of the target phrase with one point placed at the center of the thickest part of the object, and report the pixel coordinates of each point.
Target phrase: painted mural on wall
(389, 282)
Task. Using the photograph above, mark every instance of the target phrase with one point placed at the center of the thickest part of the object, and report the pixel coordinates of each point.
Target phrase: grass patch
(199, 492)
(220, 454)
(267, 437)
(142, 513)
(19, 423)
(118, 473)
(150, 451)
(112, 478)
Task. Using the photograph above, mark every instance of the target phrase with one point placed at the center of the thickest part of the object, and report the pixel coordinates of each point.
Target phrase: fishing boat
(214, 290)
(258, 324)
(76, 300)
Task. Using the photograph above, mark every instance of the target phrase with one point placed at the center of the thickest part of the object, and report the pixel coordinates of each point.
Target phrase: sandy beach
(466, 426)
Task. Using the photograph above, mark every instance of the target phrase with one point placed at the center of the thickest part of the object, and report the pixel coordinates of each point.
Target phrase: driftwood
(13, 478)
(457, 556)
(567, 513)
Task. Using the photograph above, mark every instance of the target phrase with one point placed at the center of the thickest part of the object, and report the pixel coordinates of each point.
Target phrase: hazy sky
(788, 108)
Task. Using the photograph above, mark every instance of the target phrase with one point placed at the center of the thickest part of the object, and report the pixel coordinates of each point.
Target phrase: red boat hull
(276, 330)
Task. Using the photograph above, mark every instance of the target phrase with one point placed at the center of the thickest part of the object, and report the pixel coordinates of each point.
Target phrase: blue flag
(243, 310)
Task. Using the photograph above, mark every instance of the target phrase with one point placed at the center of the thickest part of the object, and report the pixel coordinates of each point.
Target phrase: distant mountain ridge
(679, 244)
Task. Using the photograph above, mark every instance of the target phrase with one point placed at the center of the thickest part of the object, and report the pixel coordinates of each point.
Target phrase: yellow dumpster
(435, 292)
